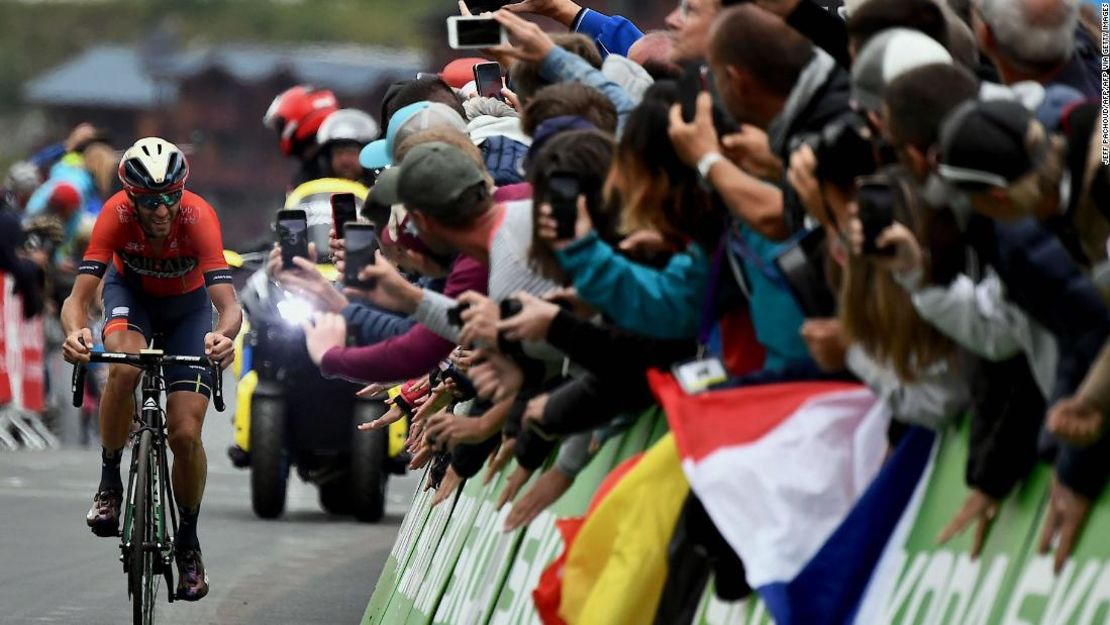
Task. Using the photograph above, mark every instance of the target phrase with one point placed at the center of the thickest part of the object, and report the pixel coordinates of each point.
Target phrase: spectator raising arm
(612, 34)
(558, 65)
(752, 200)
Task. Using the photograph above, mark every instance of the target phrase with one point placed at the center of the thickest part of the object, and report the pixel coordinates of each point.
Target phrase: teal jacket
(775, 314)
(662, 303)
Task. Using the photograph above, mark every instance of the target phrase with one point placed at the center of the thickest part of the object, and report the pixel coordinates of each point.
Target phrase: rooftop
(120, 76)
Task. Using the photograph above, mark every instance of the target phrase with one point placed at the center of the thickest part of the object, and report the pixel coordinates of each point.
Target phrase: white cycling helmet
(23, 177)
(347, 125)
(153, 165)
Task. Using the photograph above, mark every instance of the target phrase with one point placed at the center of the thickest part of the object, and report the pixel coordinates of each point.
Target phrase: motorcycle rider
(296, 114)
(341, 138)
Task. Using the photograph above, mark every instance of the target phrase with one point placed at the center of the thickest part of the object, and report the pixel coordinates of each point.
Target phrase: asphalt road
(305, 568)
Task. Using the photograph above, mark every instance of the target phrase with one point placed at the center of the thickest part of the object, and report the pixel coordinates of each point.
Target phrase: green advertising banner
(542, 542)
(713, 611)
(398, 558)
(456, 563)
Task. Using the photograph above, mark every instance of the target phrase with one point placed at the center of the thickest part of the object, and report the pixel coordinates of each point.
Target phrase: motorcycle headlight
(295, 310)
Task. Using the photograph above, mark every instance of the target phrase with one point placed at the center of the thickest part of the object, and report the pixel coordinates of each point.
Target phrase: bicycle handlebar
(147, 360)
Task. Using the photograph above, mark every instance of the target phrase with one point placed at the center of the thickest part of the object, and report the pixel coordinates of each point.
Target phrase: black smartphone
(803, 264)
(463, 386)
(343, 210)
(483, 6)
(362, 243)
(510, 307)
(562, 193)
(875, 200)
(454, 315)
(292, 236)
(487, 79)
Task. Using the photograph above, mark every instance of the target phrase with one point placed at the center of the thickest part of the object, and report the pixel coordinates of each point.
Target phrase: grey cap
(887, 56)
(433, 175)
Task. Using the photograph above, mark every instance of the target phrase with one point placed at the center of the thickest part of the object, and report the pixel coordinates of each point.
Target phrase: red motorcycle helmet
(296, 115)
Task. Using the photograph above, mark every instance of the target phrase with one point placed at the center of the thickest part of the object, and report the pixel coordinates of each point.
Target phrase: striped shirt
(509, 270)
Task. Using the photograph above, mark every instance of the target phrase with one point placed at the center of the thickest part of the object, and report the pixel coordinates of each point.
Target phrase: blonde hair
(1030, 191)
(101, 161)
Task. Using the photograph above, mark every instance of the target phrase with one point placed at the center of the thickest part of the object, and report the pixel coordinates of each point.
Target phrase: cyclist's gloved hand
(78, 346)
(219, 349)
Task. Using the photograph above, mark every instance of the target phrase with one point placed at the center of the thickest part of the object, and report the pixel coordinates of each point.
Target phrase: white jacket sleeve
(937, 395)
(977, 316)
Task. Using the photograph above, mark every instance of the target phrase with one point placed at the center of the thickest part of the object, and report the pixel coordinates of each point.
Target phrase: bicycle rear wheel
(143, 533)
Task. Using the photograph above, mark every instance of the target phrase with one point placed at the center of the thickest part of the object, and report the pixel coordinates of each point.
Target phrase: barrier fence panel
(399, 555)
(469, 572)
(454, 561)
(542, 542)
(22, 374)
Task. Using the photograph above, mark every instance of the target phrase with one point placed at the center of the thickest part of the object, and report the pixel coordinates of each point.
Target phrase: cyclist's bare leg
(185, 412)
(190, 466)
(117, 405)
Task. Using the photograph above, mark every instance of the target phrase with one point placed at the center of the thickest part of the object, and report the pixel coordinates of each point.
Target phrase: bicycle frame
(151, 418)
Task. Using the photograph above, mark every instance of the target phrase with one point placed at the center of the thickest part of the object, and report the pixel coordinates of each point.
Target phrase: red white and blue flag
(798, 479)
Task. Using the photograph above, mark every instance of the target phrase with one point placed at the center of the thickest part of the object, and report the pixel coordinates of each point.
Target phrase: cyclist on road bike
(159, 250)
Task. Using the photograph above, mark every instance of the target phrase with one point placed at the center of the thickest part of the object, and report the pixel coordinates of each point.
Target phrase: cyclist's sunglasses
(151, 201)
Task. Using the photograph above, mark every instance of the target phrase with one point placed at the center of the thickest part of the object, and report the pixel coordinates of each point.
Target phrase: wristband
(705, 164)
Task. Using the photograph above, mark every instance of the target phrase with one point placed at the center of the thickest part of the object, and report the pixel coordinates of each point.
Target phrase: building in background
(211, 100)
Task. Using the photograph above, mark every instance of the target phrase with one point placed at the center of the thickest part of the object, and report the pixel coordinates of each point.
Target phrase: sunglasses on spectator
(151, 201)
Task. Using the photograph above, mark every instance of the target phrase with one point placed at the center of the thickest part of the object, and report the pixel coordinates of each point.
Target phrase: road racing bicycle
(147, 545)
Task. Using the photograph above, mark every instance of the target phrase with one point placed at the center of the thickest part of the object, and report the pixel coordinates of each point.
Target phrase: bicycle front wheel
(143, 537)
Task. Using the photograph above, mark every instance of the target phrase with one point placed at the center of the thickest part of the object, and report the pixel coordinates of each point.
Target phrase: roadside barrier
(22, 369)
(453, 565)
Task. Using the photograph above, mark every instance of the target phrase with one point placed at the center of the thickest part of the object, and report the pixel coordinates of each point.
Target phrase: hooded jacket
(819, 97)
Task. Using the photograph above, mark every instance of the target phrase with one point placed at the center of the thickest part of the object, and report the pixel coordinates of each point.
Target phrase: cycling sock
(187, 528)
(109, 469)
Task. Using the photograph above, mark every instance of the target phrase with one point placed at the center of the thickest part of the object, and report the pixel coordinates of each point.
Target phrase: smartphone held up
(466, 32)
(562, 194)
(292, 236)
(487, 80)
(343, 211)
(362, 245)
(875, 199)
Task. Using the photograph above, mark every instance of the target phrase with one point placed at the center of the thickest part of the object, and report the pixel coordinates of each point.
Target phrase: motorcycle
(288, 416)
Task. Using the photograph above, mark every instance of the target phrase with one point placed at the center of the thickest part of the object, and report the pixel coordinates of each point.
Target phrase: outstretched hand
(693, 140)
(978, 508)
(531, 43)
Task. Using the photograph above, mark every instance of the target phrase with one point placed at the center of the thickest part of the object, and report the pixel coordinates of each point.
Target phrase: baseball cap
(982, 143)
(407, 121)
(887, 56)
(433, 175)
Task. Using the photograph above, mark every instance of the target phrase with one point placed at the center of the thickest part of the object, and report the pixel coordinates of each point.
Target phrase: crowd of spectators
(936, 167)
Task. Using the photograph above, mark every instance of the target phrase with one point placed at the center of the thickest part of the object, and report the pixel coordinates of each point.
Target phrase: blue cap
(422, 115)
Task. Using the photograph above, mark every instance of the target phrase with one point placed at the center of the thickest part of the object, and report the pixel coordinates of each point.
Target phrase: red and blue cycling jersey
(192, 256)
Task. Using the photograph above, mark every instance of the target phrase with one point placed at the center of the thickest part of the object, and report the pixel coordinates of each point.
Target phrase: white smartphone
(472, 32)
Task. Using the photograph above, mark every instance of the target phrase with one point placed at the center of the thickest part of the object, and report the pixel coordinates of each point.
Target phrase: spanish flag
(617, 564)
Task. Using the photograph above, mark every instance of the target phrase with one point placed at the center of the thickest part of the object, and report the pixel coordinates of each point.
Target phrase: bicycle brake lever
(218, 388)
(78, 385)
